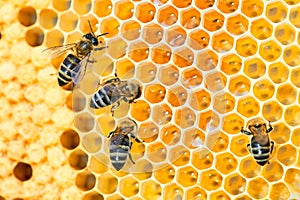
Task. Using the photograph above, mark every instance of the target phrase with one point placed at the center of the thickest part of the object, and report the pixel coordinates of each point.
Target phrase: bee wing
(79, 71)
(57, 50)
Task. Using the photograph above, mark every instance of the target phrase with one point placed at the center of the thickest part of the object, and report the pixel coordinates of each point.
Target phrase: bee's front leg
(270, 127)
(245, 132)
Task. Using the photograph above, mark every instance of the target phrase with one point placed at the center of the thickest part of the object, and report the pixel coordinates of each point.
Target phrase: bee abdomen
(118, 155)
(65, 70)
(261, 153)
(100, 99)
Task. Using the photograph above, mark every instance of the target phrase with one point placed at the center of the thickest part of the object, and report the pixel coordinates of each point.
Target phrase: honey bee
(261, 147)
(73, 67)
(120, 143)
(112, 91)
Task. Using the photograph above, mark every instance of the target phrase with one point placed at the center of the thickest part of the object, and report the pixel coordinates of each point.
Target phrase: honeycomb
(206, 68)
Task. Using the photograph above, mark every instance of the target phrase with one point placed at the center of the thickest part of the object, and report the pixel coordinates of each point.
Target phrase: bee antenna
(90, 26)
(102, 34)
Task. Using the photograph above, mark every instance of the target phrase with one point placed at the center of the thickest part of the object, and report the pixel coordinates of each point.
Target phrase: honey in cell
(165, 173)
(198, 39)
(170, 134)
(193, 138)
(153, 33)
(222, 42)
(229, 163)
(276, 12)
(246, 46)
(146, 68)
(254, 68)
(202, 159)
(155, 93)
(261, 29)
(183, 57)
(168, 75)
(273, 166)
(239, 85)
(213, 20)
(167, 15)
(179, 156)
(138, 51)
(190, 18)
(145, 12)
(272, 110)
(237, 24)
(187, 176)
(177, 96)
(211, 180)
(235, 184)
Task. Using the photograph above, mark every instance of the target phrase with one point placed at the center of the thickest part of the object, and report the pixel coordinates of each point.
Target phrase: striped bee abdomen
(65, 70)
(105, 96)
(261, 153)
(119, 147)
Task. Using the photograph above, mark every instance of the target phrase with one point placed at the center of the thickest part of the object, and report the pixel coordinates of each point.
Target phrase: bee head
(92, 38)
(133, 91)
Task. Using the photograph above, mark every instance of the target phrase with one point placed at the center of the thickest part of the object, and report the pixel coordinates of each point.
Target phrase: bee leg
(245, 132)
(130, 158)
(135, 138)
(270, 127)
(111, 133)
(114, 107)
(272, 147)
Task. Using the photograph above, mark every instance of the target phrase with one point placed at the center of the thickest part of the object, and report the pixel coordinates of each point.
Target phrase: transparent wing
(79, 71)
(57, 50)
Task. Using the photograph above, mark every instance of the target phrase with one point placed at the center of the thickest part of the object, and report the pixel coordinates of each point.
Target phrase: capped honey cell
(22, 171)
(285, 34)
(272, 110)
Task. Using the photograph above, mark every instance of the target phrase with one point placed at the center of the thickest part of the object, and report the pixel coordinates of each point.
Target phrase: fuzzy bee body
(260, 147)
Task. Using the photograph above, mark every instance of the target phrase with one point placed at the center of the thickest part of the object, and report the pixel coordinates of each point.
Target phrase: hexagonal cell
(209, 121)
(109, 183)
(185, 117)
(148, 132)
(249, 168)
(105, 67)
(295, 138)
(27, 16)
(270, 51)
(140, 110)
(291, 55)
(228, 6)
(35, 37)
(82, 7)
(213, 20)
(226, 163)
(69, 139)
(161, 54)
(292, 179)
(157, 152)
(276, 12)
(238, 145)
(179, 155)
(190, 18)
(106, 123)
(61, 5)
(142, 169)
(291, 115)
(287, 154)
(221, 143)
(286, 94)
(68, 21)
(210, 180)
(110, 25)
(254, 68)
(215, 81)
(263, 89)
(231, 64)
(278, 72)
(130, 30)
(124, 68)
(196, 192)
(168, 75)
(155, 93)
(183, 57)
(173, 191)
(232, 123)
(268, 172)
(175, 36)
(243, 197)
(295, 77)
(207, 60)
(167, 15)
(78, 159)
(237, 24)
(146, 72)
(193, 138)
(223, 103)
(191, 78)
(164, 174)
(248, 107)
(124, 9)
(153, 33)
(129, 186)
(285, 33)
(261, 29)
(202, 159)
(258, 188)
(294, 16)
(239, 85)
(182, 4)
(93, 196)
(272, 111)
(198, 39)
(22, 171)
(99, 163)
(85, 181)
(219, 195)
(138, 51)
(117, 48)
(170, 134)
(151, 190)
(187, 176)
(279, 191)
(204, 4)
(177, 96)
(222, 42)
(102, 8)
(92, 142)
(235, 184)
(84, 122)
(145, 12)
(48, 18)
(246, 46)
(252, 8)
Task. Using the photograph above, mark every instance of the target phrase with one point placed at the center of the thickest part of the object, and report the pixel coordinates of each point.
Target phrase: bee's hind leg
(130, 158)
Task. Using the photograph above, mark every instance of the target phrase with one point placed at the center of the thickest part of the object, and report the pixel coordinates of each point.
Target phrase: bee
(120, 143)
(73, 67)
(261, 147)
(112, 91)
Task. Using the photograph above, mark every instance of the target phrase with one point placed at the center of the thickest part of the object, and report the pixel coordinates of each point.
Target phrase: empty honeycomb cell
(210, 180)
(209, 121)
(110, 25)
(102, 8)
(187, 176)
(226, 163)
(183, 57)
(258, 188)
(202, 159)
(272, 110)
(223, 103)
(78, 159)
(191, 78)
(291, 115)
(296, 137)
(148, 132)
(89, 23)
(170, 134)
(215, 81)
(177, 96)
(84, 122)
(124, 68)
(145, 12)
(235, 184)
(270, 50)
(130, 30)
(140, 110)
(153, 33)
(27, 16)
(237, 24)
(146, 72)
(278, 72)
(93, 196)
(168, 75)
(291, 55)
(157, 152)
(287, 154)
(54, 38)
(92, 142)
(109, 183)
(61, 5)
(198, 39)
(173, 191)
(231, 64)
(239, 85)
(233, 123)
(185, 117)
(162, 114)
(261, 29)
(221, 141)
(76, 101)
(254, 68)
(286, 94)
(263, 89)
(285, 33)
(34, 36)
(117, 48)
(138, 51)
(85, 181)
(68, 21)
(200, 100)
(190, 18)
(276, 12)
(294, 16)
(99, 163)
(193, 138)
(69, 139)
(179, 156)
(129, 186)
(82, 7)
(279, 191)
(164, 174)
(22, 171)
(106, 123)
(155, 93)
(248, 106)
(161, 54)
(246, 46)
(292, 179)
(222, 42)
(151, 190)
(213, 20)
(268, 172)
(219, 195)
(167, 15)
